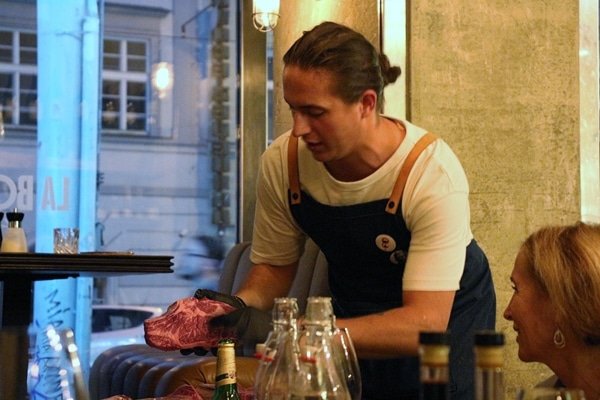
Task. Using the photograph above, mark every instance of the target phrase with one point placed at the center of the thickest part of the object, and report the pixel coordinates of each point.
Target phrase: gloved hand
(251, 324)
(233, 301)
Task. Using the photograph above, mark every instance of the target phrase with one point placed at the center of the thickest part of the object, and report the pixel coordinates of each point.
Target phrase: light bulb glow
(265, 14)
(162, 78)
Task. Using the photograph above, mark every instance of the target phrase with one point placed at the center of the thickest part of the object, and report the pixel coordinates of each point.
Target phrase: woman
(555, 306)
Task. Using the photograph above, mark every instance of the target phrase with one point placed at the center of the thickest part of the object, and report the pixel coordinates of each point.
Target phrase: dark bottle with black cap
(434, 351)
(489, 365)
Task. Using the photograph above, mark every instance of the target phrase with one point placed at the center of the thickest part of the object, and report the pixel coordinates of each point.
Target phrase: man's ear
(368, 102)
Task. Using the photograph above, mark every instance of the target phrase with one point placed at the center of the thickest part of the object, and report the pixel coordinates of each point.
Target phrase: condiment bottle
(434, 350)
(226, 378)
(14, 240)
(489, 365)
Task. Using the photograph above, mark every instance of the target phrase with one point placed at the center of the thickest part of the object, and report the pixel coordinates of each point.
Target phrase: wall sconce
(265, 14)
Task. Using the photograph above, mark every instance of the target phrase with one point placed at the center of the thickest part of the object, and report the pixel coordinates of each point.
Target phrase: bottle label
(489, 357)
(226, 374)
(226, 378)
(434, 355)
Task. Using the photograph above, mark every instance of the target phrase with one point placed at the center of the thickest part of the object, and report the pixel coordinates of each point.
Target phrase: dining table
(18, 272)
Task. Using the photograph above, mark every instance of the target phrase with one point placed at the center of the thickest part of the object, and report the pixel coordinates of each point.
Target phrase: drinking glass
(344, 351)
(548, 393)
(66, 240)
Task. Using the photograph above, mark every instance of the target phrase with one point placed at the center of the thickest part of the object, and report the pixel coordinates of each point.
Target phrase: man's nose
(301, 126)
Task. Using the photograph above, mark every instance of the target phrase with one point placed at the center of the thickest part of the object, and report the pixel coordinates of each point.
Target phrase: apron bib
(366, 247)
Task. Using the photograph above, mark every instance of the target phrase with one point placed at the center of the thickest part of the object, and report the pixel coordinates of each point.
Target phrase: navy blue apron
(365, 277)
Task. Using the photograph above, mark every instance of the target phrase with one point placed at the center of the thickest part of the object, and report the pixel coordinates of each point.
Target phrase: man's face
(330, 127)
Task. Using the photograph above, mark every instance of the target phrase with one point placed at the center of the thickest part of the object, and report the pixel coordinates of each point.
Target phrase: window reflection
(18, 80)
(124, 95)
(167, 162)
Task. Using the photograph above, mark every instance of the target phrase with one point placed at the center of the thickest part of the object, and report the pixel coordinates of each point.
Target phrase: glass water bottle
(279, 359)
(321, 375)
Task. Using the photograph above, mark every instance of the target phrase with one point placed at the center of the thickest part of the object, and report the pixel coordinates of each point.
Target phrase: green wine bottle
(226, 379)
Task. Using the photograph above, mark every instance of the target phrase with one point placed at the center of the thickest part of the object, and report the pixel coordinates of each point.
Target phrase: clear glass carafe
(279, 359)
(323, 366)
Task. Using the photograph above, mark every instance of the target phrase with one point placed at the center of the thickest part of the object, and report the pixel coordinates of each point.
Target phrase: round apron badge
(388, 244)
(385, 243)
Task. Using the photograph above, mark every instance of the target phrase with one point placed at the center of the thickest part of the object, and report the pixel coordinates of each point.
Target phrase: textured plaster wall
(498, 81)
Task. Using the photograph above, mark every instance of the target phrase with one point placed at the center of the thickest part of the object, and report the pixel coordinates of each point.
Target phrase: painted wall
(499, 81)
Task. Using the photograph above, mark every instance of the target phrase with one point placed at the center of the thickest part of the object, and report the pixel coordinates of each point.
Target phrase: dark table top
(85, 264)
(18, 271)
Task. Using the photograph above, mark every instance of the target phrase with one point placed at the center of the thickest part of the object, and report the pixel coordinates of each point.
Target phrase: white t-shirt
(435, 207)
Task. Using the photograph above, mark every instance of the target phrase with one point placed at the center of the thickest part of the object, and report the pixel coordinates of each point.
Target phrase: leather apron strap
(293, 175)
(394, 200)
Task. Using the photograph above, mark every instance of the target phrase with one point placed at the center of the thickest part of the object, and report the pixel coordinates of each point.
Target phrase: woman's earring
(559, 339)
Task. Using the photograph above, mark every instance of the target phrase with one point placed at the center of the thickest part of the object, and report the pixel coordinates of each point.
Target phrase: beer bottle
(225, 379)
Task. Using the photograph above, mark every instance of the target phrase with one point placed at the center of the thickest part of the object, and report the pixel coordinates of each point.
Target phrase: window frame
(16, 70)
(124, 77)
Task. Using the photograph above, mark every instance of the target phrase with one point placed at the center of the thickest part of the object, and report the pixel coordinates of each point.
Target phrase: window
(18, 78)
(124, 86)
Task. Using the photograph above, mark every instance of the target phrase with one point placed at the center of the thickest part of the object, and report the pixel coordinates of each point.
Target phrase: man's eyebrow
(306, 107)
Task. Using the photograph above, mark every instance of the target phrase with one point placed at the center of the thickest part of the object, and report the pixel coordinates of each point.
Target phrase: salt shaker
(14, 240)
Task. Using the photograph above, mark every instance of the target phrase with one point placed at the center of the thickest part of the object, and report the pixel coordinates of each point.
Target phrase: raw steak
(185, 325)
(186, 392)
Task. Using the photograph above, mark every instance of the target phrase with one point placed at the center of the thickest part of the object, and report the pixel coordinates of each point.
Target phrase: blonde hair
(565, 261)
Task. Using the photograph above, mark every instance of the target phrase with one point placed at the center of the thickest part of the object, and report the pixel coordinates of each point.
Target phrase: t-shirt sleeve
(436, 210)
(276, 239)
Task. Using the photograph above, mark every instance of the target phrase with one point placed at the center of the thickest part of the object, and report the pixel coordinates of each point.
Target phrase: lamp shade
(265, 14)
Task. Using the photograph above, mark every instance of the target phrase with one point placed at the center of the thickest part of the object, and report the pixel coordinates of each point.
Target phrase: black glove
(233, 301)
(251, 324)
(199, 351)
